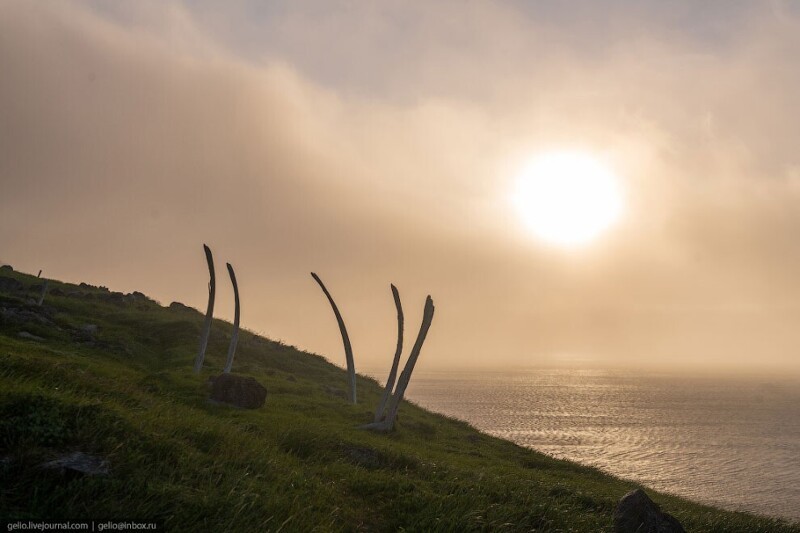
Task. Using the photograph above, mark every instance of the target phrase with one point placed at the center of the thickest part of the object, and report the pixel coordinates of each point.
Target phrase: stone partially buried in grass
(239, 391)
(29, 336)
(80, 463)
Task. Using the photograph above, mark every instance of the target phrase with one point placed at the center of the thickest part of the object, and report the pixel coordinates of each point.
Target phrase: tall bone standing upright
(348, 350)
(387, 391)
(235, 334)
(402, 383)
(201, 353)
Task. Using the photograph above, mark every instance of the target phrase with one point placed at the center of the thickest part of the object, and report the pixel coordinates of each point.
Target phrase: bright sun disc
(567, 198)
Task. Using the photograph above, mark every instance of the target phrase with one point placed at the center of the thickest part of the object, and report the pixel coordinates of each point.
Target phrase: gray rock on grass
(79, 462)
(637, 513)
(239, 391)
(29, 336)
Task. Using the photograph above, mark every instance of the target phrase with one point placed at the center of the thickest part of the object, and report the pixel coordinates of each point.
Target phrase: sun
(568, 198)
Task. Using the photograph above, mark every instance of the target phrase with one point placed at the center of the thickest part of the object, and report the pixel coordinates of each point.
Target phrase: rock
(177, 306)
(22, 315)
(29, 336)
(79, 462)
(85, 333)
(57, 292)
(116, 298)
(238, 391)
(637, 513)
(10, 284)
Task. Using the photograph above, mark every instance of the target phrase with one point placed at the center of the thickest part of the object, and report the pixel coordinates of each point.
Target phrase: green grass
(300, 463)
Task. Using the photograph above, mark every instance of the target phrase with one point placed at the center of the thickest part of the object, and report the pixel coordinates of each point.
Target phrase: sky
(379, 142)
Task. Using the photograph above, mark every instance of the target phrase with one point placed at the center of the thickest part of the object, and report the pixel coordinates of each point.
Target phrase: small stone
(29, 336)
(238, 391)
(80, 462)
(89, 329)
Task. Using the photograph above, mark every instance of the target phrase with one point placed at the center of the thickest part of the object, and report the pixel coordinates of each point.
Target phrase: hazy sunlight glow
(567, 198)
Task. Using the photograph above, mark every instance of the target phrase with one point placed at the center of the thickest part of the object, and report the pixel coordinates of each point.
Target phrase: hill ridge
(110, 375)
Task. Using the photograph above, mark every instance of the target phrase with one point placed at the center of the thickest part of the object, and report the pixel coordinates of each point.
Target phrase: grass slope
(126, 392)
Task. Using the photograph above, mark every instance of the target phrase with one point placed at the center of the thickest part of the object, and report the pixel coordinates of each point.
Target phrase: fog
(379, 144)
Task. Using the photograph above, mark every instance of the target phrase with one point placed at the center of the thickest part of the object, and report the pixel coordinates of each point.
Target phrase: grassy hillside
(125, 391)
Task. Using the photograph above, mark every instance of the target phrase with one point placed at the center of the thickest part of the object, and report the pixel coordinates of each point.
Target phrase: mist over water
(730, 442)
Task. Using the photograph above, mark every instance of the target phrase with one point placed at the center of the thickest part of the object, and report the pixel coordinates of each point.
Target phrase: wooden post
(348, 350)
(201, 353)
(235, 335)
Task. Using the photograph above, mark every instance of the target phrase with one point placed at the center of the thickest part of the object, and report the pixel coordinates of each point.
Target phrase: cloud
(378, 145)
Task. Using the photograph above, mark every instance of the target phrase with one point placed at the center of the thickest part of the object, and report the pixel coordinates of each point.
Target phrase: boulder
(238, 391)
(22, 315)
(177, 306)
(139, 297)
(10, 284)
(637, 513)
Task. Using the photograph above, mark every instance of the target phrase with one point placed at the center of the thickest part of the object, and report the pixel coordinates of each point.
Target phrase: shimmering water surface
(730, 442)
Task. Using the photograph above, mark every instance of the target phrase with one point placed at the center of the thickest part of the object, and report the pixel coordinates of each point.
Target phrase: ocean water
(729, 442)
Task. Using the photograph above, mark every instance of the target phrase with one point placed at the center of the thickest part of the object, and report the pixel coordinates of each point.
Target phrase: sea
(731, 442)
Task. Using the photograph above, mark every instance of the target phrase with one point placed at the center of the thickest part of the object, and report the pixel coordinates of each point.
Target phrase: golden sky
(377, 142)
